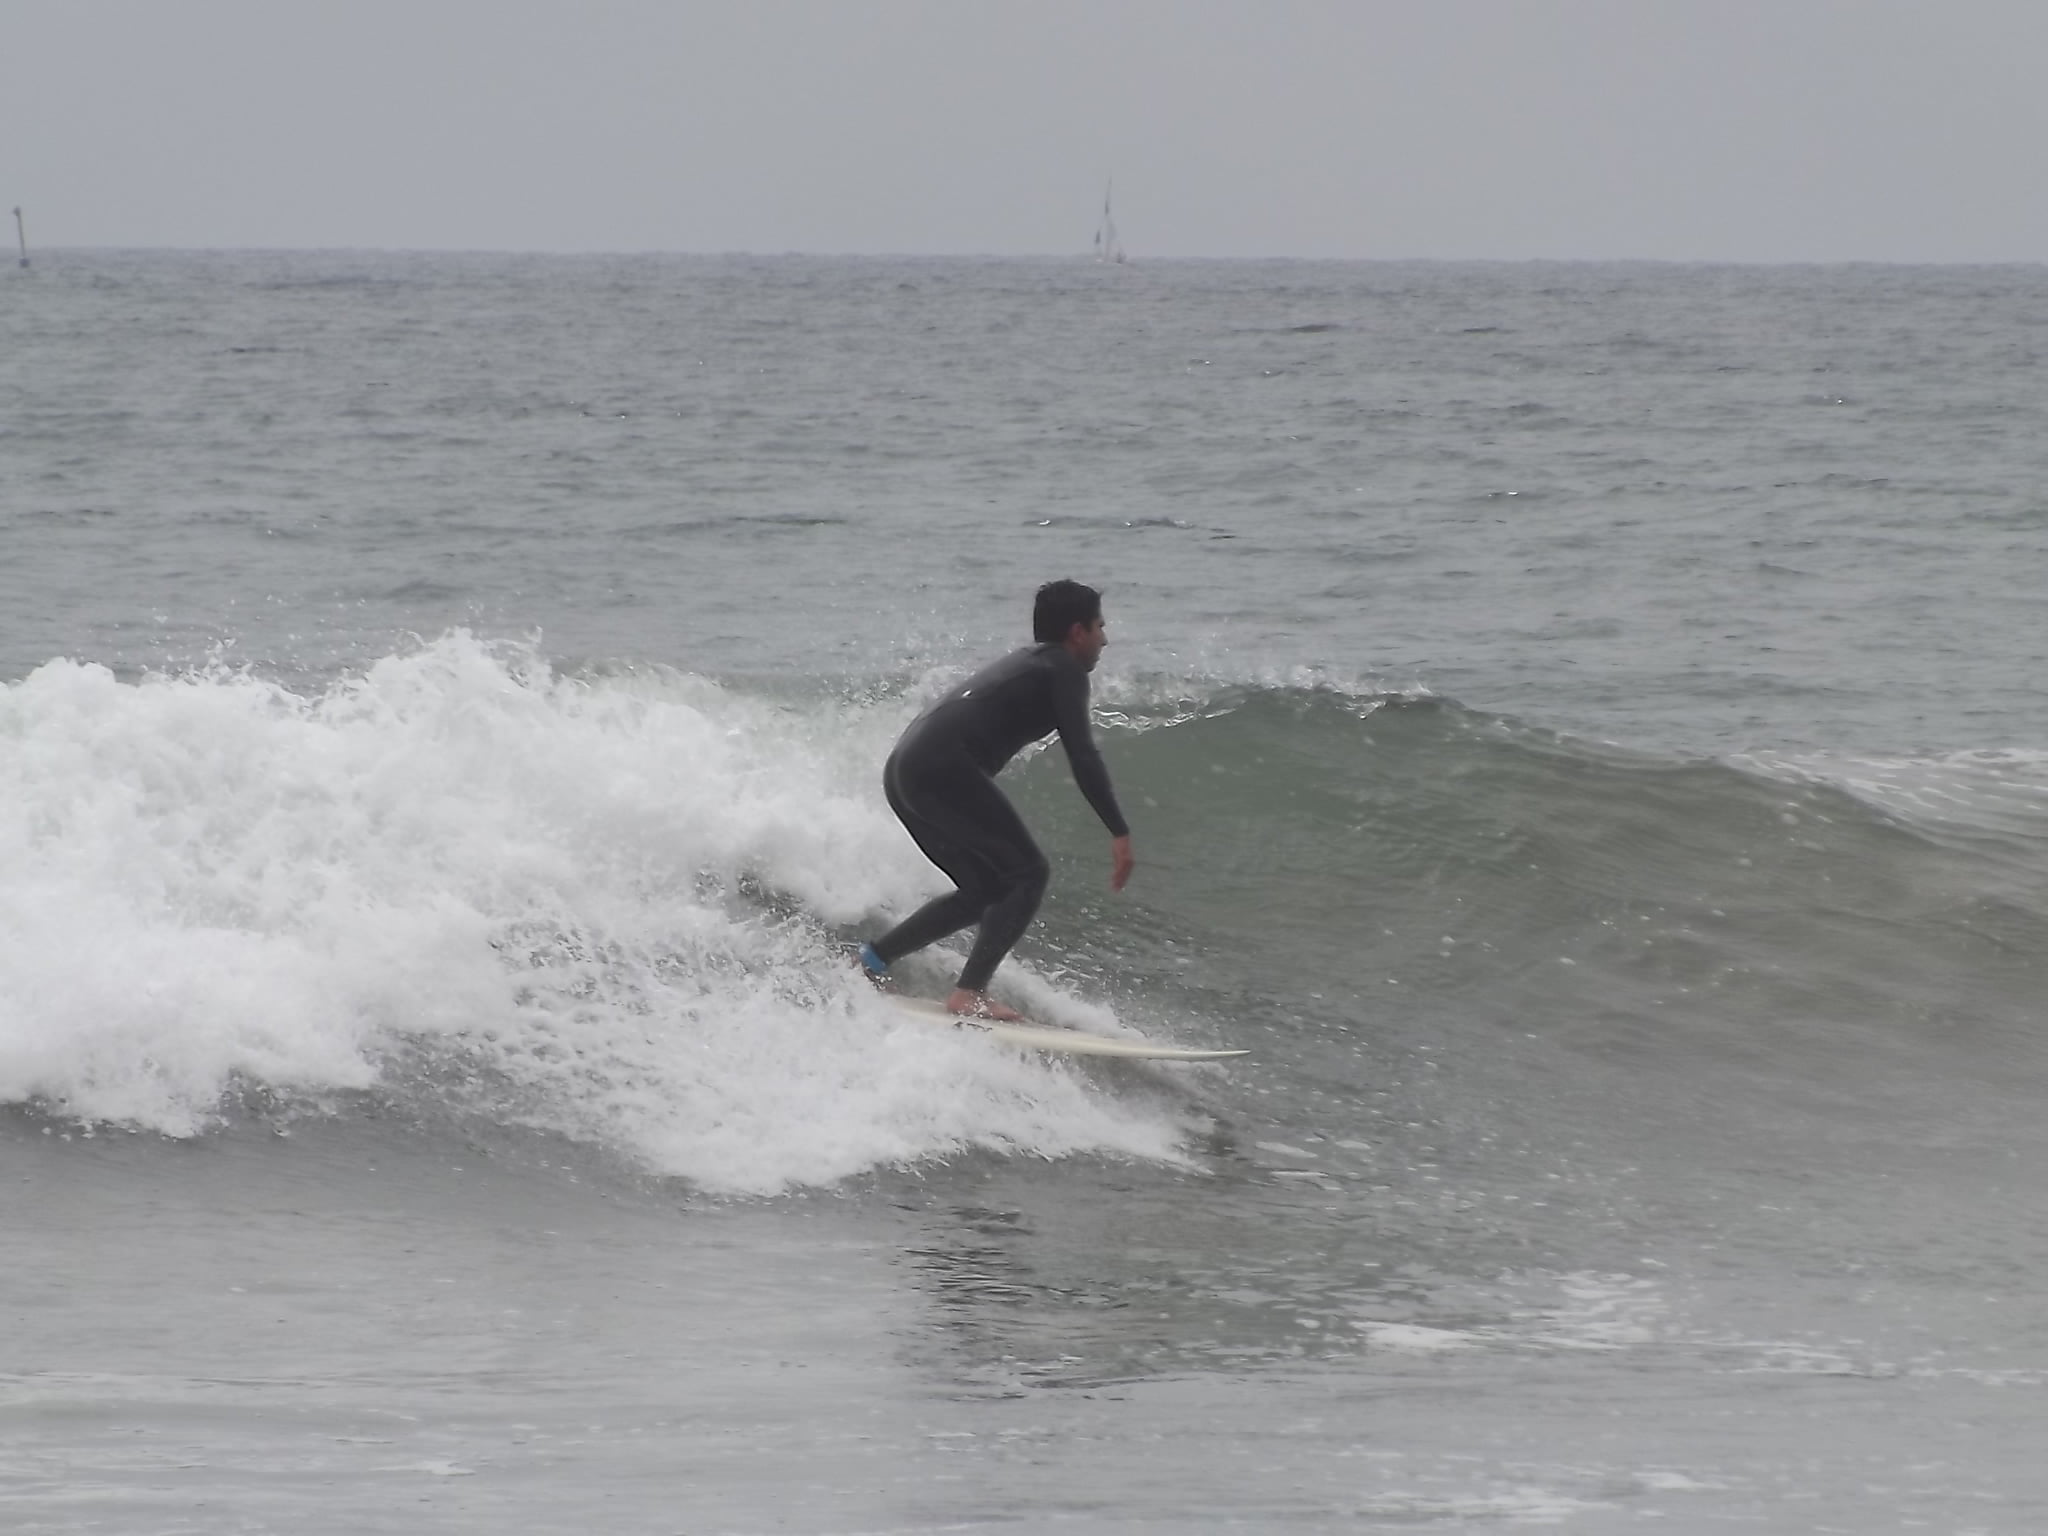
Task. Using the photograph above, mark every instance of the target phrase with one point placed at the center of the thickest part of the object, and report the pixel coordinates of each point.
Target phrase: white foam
(2004, 791)
(592, 904)
(1526, 1505)
(1580, 1310)
(1415, 1338)
(1602, 1311)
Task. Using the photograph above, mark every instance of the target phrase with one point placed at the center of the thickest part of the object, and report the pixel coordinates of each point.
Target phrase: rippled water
(1582, 731)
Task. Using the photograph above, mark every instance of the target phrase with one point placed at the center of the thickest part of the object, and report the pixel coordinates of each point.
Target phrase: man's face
(1086, 642)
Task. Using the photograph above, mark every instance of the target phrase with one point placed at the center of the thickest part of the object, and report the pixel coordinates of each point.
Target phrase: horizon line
(1081, 257)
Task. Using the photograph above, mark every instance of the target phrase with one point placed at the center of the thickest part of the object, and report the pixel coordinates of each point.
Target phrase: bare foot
(979, 1005)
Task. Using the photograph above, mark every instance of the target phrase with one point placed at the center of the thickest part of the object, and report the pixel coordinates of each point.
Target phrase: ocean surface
(1584, 730)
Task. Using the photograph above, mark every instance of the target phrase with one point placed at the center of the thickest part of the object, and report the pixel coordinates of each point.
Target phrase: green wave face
(1312, 851)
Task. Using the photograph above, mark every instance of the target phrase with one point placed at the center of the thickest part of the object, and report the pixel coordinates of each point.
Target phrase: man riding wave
(940, 782)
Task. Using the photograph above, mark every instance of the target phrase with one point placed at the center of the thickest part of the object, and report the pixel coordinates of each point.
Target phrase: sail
(1107, 246)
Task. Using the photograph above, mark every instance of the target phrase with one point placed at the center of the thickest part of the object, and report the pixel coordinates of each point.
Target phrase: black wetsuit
(940, 781)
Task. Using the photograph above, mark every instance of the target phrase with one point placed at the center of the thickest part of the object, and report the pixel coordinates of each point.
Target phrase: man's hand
(1121, 862)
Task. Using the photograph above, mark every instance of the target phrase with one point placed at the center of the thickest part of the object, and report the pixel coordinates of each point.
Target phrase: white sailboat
(1107, 246)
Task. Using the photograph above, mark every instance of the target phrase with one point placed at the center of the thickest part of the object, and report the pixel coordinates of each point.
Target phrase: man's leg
(943, 916)
(967, 827)
(1003, 924)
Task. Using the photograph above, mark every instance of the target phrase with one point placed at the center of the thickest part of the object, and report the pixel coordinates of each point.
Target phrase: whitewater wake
(602, 906)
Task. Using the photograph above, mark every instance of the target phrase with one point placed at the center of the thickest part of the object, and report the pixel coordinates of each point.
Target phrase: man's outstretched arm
(1084, 758)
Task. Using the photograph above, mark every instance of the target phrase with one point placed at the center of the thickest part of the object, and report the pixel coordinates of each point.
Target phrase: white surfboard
(1065, 1042)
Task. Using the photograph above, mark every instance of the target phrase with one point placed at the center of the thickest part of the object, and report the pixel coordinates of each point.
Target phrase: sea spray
(597, 905)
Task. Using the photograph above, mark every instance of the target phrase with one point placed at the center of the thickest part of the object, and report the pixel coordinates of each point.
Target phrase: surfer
(940, 780)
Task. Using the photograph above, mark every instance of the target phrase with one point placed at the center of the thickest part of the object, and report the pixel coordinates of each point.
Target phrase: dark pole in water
(21, 234)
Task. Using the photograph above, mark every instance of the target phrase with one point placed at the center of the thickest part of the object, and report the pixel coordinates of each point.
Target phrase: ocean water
(1583, 732)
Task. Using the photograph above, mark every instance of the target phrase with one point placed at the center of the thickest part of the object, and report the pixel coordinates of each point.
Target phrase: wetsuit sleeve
(1070, 710)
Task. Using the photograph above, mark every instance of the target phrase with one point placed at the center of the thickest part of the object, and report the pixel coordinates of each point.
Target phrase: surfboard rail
(1057, 1041)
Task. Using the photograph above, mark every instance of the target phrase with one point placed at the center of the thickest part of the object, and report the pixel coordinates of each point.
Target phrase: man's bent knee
(1032, 877)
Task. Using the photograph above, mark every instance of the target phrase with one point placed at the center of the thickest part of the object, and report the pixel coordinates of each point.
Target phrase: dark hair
(1060, 606)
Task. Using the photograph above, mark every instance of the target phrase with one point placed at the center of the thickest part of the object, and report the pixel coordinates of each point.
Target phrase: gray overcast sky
(1727, 130)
